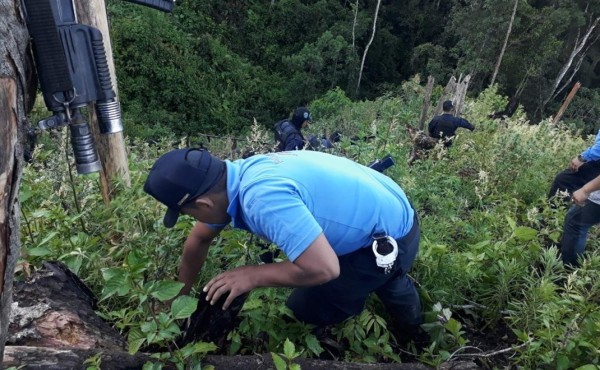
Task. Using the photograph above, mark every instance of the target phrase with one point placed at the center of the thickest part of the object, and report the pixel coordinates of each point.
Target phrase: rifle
(73, 71)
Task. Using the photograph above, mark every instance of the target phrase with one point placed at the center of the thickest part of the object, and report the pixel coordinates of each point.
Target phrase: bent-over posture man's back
(325, 212)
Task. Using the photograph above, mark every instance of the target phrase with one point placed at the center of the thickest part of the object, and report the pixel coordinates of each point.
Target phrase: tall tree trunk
(17, 92)
(354, 25)
(426, 102)
(577, 48)
(499, 61)
(580, 60)
(111, 147)
(362, 64)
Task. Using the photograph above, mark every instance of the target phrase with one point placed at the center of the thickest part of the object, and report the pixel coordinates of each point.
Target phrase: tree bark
(362, 64)
(499, 61)
(460, 93)
(354, 26)
(577, 48)
(426, 102)
(566, 103)
(17, 93)
(61, 359)
(448, 92)
(111, 147)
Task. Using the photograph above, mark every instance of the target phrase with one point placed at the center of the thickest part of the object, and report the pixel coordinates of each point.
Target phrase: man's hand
(575, 163)
(237, 282)
(580, 197)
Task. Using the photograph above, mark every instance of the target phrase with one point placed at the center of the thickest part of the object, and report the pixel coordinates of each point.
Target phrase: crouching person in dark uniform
(444, 126)
(347, 230)
(288, 131)
(583, 215)
(582, 169)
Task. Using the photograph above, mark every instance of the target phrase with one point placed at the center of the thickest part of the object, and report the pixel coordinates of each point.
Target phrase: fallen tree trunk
(53, 326)
(55, 309)
(60, 359)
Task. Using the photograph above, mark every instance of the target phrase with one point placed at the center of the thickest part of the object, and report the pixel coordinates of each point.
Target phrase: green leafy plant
(285, 360)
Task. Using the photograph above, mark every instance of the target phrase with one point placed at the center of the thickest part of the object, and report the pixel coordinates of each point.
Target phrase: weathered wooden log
(62, 358)
(53, 326)
(54, 308)
(265, 362)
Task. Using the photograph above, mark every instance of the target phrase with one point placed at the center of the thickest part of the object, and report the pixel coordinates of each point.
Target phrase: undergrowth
(488, 256)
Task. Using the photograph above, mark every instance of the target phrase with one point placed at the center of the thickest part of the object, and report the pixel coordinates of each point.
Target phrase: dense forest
(213, 66)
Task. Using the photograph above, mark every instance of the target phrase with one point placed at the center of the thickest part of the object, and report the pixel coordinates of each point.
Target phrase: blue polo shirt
(593, 152)
(289, 198)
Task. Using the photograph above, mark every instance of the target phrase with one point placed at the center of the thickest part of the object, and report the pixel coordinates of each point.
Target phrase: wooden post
(448, 91)
(566, 103)
(111, 147)
(426, 102)
(460, 93)
(17, 92)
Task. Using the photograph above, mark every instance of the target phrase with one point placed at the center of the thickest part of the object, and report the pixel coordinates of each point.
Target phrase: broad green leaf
(313, 344)
(278, 361)
(41, 213)
(149, 327)
(109, 273)
(204, 347)
(38, 251)
(113, 285)
(165, 290)
(124, 288)
(588, 367)
(183, 306)
(289, 349)
(525, 233)
(511, 222)
(562, 362)
(47, 238)
(135, 339)
(152, 366)
(24, 195)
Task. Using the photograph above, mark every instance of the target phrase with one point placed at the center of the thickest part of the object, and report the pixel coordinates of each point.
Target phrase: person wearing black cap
(288, 131)
(444, 126)
(346, 230)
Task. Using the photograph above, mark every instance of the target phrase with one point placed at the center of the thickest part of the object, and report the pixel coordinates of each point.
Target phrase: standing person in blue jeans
(327, 213)
(582, 169)
(584, 214)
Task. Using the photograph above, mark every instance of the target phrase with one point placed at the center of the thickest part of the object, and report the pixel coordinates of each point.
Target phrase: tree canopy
(213, 66)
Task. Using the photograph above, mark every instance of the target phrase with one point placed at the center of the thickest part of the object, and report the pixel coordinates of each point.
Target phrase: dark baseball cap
(447, 105)
(180, 176)
(300, 115)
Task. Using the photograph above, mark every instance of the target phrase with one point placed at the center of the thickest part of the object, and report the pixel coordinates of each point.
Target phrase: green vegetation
(213, 66)
(487, 266)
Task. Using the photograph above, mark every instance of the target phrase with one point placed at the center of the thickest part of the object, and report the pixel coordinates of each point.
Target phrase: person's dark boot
(405, 334)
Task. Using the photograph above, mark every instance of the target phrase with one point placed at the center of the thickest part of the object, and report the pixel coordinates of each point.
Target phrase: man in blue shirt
(582, 169)
(444, 126)
(323, 211)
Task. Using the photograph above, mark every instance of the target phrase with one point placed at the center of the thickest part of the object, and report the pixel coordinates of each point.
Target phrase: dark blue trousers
(339, 299)
(570, 180)
(575, 231)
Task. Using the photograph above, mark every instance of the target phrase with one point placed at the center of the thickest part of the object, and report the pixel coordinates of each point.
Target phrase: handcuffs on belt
(383, 243)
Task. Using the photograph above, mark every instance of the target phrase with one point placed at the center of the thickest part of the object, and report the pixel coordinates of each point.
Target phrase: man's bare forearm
(195, 250)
